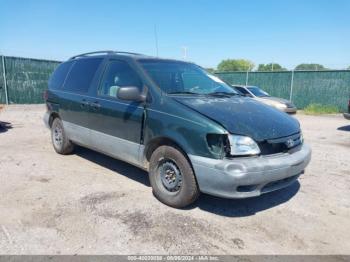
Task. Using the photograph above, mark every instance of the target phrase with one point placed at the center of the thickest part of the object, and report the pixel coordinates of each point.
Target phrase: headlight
(281, 106)
(243, 146)
(301, 138)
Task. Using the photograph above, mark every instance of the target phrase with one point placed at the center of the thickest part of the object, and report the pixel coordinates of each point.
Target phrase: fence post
(5, 82)
(291, 87)
(246, 78)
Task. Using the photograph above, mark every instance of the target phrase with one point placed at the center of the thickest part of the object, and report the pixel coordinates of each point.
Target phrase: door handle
(95, 105)
(84, 103)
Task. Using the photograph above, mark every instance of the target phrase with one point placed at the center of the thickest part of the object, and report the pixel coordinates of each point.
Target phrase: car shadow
(215, 205)
(5, 126)
(344, 128)
(116, 165)
(248, 206)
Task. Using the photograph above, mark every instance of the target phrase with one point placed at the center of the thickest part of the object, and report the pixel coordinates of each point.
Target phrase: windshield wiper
(183, 92)
(223, 94)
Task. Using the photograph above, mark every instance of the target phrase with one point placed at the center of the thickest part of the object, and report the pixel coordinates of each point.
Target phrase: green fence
(26, 79)
(302, 87)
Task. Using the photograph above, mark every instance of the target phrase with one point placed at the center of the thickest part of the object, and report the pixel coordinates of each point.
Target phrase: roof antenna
(156, 38)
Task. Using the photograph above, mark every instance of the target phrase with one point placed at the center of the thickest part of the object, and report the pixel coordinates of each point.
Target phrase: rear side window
(59, 75)
(81, 75)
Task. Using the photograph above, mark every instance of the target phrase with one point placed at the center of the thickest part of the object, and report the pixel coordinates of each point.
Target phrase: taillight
(46, 95)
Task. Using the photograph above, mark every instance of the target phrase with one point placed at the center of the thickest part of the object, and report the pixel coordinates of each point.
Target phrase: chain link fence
(23, 80)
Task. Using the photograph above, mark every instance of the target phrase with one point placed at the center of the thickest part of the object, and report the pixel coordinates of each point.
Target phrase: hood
(243, 116)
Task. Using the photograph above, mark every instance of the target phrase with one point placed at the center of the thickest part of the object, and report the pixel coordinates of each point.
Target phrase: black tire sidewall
(188, 192)
(66, 146)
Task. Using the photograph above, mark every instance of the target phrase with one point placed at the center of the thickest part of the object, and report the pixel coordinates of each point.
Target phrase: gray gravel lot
(88, 203)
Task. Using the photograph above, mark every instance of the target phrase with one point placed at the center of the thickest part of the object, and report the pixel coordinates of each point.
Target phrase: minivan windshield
(257, 91)
(176, 77)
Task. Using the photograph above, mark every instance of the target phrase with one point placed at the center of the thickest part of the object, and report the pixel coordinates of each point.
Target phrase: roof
(130, 54)
(106, 52)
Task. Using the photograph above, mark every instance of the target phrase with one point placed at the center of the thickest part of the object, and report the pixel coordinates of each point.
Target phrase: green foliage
(235, 65)
(271, 67)
(319, 109)
(314, 67)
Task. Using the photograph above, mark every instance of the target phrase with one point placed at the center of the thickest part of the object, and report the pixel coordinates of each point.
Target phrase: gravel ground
(88, 203)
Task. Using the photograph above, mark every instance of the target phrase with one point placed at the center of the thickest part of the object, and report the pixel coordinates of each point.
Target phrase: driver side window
(118, 74)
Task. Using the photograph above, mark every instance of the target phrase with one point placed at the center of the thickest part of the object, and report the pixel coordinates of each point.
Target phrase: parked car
(262, 96)
(347, 115)
(192, 132)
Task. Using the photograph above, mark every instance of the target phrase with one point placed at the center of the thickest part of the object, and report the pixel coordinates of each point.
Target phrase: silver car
(262, 96)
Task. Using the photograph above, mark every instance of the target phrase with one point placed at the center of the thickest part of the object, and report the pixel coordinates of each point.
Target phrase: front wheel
(172, 177)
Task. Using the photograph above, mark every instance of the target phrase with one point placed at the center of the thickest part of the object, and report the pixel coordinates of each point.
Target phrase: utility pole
(247, 77)
(184, 56)
(291, 87)
(4, 77)
(156, 38)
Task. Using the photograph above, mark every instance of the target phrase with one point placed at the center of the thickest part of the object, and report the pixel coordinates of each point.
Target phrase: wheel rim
(170, 175)
(58, 136)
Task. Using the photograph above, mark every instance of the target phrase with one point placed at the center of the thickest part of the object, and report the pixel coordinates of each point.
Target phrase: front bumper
(250, 176)
(347, 115)
(290, 110)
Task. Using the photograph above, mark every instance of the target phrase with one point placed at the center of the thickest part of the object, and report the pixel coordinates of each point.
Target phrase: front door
(116, 128)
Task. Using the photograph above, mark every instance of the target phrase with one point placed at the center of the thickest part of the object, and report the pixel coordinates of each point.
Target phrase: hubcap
(170, 175)
(58, 136)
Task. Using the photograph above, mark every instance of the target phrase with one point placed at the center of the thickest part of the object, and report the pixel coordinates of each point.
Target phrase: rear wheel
(172, 178)
(60, 141)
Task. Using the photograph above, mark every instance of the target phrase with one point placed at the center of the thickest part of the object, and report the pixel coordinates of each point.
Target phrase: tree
(271, 67)
(314, 67)
(349, 68)
(235, 65)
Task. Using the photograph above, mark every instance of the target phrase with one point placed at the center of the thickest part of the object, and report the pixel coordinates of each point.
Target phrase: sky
(288, 32)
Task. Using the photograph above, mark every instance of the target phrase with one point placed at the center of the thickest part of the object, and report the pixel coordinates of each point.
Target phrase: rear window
(81, 75)
(59, 75)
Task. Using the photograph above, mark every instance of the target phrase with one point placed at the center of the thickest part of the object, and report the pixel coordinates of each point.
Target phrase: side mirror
(130, 93)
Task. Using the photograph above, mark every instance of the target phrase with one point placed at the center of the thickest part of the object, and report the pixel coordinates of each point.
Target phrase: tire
(172, 178)
(59, 139)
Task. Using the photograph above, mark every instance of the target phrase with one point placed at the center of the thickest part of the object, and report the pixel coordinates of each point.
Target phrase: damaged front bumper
(249, 176)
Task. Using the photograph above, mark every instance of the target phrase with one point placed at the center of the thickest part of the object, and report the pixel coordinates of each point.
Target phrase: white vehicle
(262, 96)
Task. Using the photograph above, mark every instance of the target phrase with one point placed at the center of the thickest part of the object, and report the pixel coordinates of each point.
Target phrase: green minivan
(190, 130)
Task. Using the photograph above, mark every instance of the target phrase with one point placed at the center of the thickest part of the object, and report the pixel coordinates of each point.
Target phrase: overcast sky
(288, 32)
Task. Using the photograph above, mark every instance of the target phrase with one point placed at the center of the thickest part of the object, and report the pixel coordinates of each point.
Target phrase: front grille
(280, 145)
(279, 184)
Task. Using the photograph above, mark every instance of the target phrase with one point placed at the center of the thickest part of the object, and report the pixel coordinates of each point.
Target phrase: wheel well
(52, 117)
(161, 141)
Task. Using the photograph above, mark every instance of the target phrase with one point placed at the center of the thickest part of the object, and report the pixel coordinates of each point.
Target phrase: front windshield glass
(175, 77)
(257, 91)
